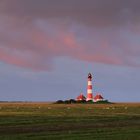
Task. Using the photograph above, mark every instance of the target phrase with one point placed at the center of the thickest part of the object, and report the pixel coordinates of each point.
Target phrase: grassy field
(46, 121)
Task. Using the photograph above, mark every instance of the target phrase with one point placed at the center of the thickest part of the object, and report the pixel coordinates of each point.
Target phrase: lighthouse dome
(89, 75)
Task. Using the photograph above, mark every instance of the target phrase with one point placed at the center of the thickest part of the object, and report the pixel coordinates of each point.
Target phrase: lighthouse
(89, 88)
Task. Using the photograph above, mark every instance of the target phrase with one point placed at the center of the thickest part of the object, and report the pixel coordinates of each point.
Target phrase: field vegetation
(48, 121)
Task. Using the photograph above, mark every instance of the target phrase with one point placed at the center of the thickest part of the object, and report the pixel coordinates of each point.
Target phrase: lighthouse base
(89, 97)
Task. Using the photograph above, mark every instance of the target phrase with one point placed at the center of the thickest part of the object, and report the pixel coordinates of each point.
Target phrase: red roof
(81, 97)
(98, 96)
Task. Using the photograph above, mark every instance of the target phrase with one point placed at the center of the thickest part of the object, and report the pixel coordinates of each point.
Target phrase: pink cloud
(32, 41)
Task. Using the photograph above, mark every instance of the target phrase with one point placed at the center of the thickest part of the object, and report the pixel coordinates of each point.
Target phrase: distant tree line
(73, 101)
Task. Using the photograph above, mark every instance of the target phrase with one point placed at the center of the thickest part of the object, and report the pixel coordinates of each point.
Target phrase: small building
(98, 97)
(81, 97)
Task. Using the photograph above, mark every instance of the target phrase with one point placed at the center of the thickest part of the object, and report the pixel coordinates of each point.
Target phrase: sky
(48, 47)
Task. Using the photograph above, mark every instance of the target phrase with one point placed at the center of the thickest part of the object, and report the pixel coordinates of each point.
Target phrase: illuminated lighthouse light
(89, 88)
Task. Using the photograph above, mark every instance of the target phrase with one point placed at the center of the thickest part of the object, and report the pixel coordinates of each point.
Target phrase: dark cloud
(92, 12)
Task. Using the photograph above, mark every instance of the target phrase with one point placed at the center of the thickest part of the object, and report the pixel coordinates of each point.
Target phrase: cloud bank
(33, 33)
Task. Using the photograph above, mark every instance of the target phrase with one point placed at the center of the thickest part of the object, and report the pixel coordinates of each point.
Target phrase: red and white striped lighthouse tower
(89, 88)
